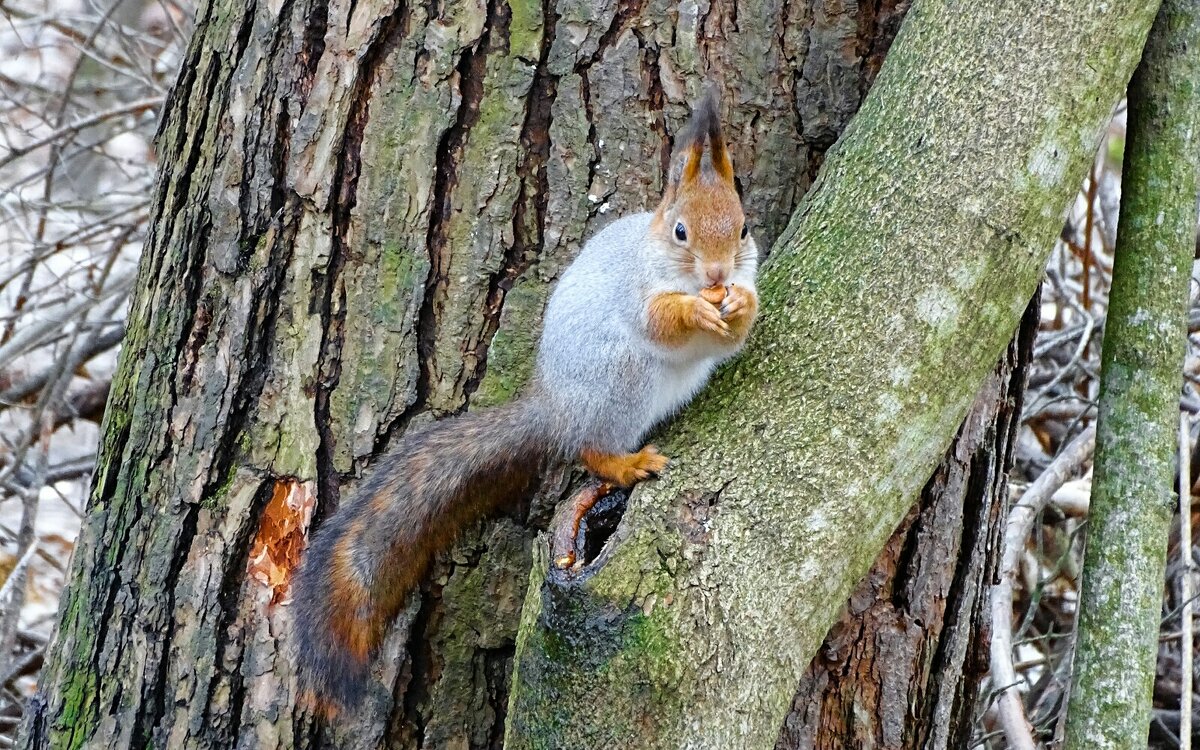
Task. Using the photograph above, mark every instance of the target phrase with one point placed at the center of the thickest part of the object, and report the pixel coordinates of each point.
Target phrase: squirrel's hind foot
(624, 469)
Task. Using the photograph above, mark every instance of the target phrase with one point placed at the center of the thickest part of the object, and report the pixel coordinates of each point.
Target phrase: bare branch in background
(81, 84)
(1035, 638)
(1185, 616)
(1020, 522)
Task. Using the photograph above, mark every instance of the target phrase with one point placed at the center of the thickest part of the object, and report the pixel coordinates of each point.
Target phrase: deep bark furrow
(948, 719)
(329, 368)
(409, 719)
(471, 70)
(332, 307)
(531, 198)
(627, 10)
(153, 702)
(657, 99)
(878, 23)
(232, 580)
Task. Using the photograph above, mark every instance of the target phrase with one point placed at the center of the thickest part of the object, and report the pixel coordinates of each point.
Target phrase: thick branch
(1131, 504)
(886, 302)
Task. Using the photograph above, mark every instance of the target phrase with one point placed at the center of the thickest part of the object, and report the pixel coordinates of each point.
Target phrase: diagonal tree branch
(909, 265)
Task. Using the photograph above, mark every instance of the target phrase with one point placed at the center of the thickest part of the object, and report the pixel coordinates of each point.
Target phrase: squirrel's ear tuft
(704, 126)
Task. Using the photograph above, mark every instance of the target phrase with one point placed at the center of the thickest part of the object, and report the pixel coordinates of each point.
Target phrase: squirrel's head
(700, 217)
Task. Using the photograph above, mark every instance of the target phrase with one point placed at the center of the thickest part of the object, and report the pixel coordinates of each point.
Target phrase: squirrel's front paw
(707, 317)
(738, 303)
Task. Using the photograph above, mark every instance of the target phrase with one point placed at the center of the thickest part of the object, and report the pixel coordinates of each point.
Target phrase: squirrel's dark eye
(680, 232)
(745, 231)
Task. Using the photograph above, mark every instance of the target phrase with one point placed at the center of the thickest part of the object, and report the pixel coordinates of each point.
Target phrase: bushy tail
(363, 561)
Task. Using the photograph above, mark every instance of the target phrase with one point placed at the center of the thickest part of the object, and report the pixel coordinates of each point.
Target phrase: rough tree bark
(885, 303)
(901, 666)
(361, 210)
(1136, 432)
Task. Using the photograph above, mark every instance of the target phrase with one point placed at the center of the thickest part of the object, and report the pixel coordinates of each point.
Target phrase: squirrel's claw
(624, 469)
(646, 463)
(651, 462)
(735, 303)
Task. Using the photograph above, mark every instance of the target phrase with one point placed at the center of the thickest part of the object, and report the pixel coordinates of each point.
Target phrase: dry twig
(1020, 522)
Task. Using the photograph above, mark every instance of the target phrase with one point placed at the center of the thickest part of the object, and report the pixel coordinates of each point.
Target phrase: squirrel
(634, 328)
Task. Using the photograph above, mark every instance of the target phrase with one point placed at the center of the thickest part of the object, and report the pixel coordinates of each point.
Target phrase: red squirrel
(634, 328)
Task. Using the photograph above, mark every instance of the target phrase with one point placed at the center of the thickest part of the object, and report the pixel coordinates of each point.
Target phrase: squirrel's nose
(715, 274)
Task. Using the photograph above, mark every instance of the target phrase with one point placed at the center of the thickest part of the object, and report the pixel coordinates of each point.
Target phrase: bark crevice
(472, 68)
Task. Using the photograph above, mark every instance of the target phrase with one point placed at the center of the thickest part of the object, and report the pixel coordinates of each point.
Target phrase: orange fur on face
(713, 215)
(704, 197)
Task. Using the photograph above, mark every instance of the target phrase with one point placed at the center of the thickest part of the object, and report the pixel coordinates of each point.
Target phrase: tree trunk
(1132, 505)
(884, 306)
(901, 666)
(361, 210)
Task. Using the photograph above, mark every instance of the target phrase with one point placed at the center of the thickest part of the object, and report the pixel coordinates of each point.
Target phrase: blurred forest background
(81, 84)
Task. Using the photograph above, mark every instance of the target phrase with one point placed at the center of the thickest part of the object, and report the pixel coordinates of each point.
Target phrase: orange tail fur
(366, 558)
